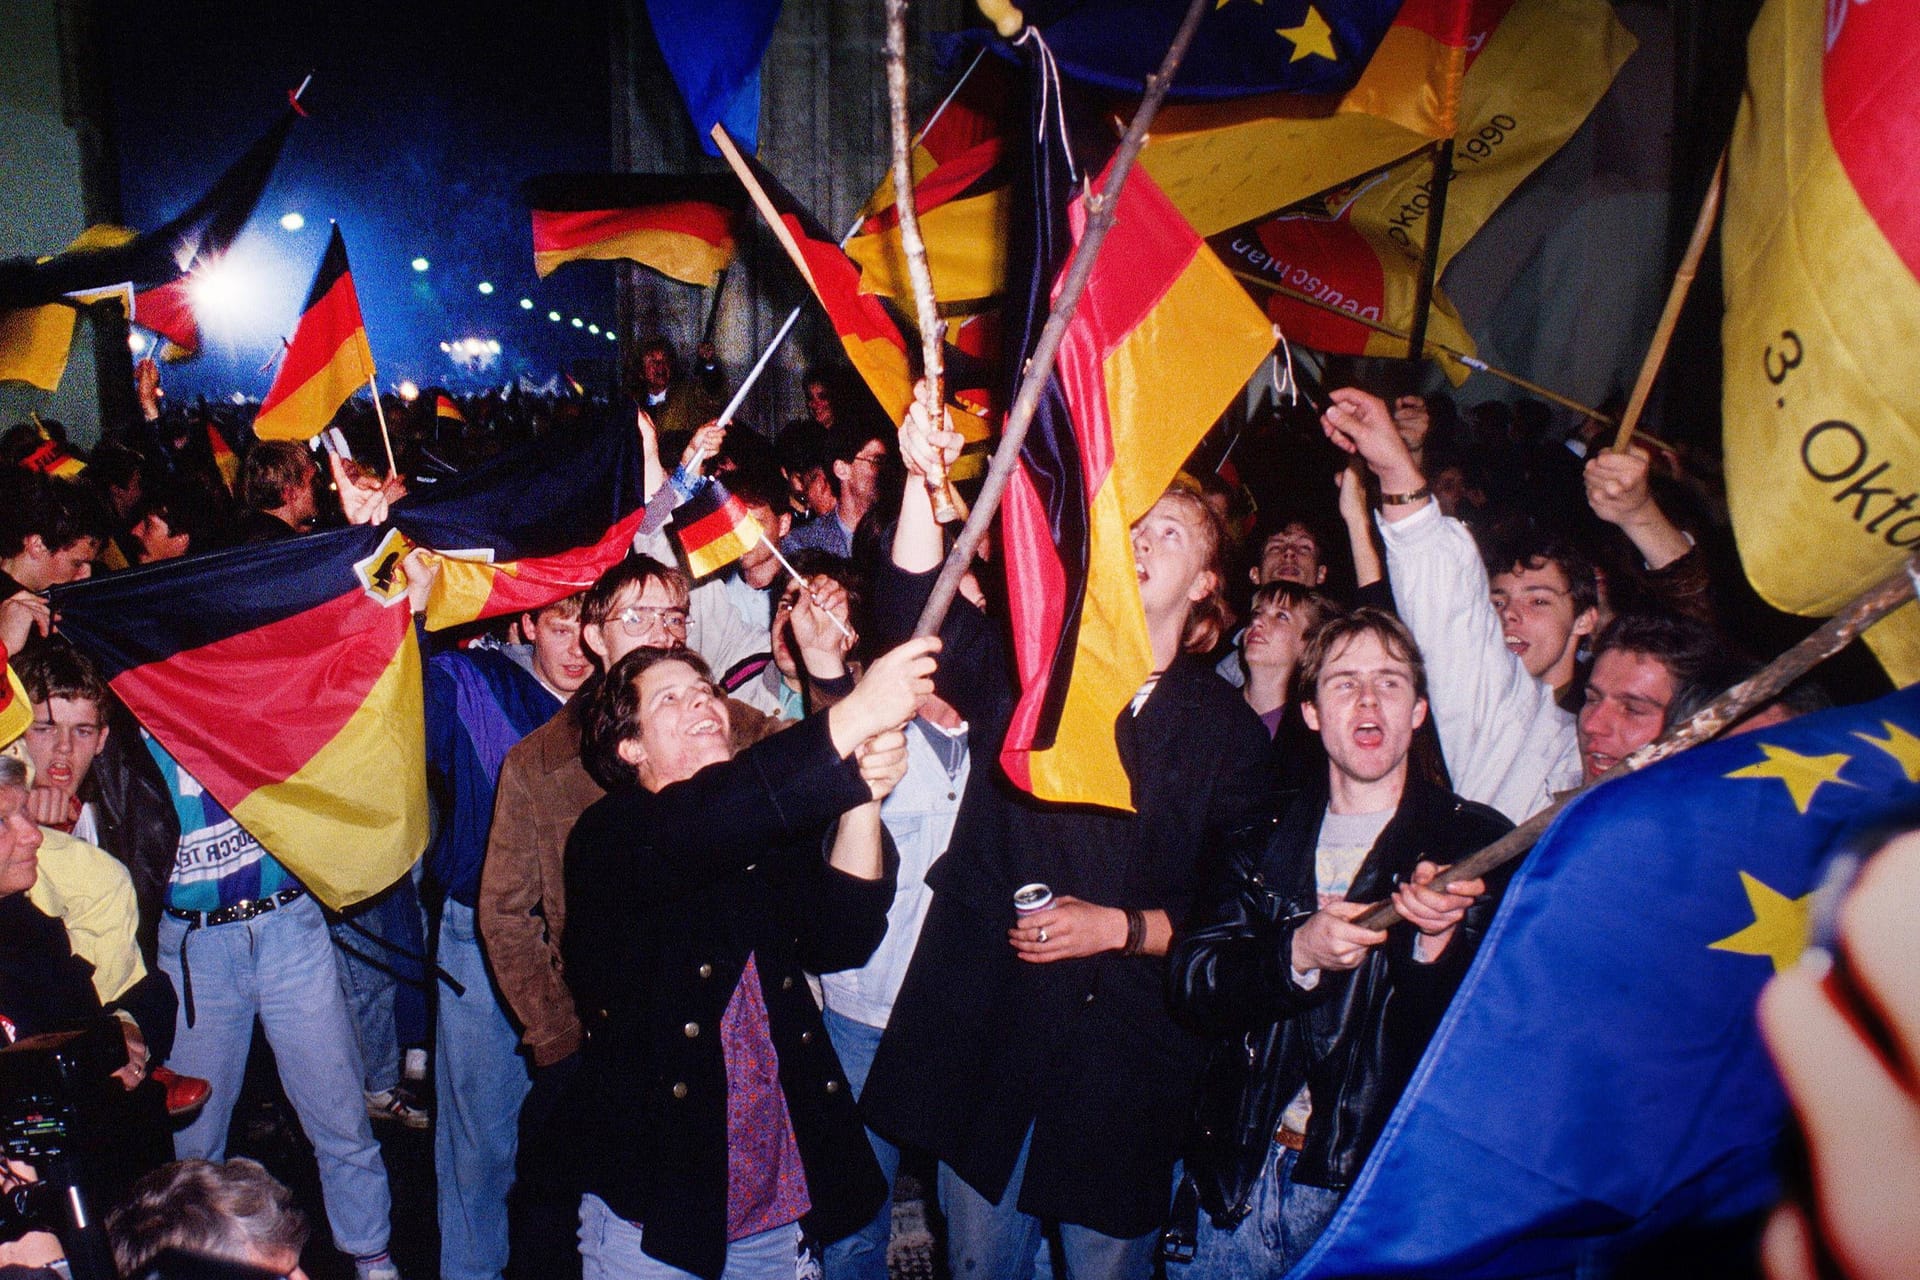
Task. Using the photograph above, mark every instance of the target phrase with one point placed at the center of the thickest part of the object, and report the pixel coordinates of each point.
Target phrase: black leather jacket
(1356, 1036)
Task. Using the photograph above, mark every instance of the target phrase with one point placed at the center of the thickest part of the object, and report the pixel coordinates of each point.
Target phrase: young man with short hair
(1323, 1020)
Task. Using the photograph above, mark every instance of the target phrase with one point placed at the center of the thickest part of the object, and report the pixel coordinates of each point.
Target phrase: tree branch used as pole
(1676, 299)
(1430, 256)
(1100, 215)
(1839, 631)
(933, 330)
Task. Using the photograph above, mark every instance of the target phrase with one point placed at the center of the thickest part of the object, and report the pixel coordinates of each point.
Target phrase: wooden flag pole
(1676, 299)
(1867, 608)
(1430, 255)
(933, 330)
(380, 415)
(1100, 215)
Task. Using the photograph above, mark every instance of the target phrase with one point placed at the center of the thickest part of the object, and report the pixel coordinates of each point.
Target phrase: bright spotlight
(554, 316)
(526, 304)
(421, 264)
(447, 347)
(493, 346)
(292, 222)
(136, 342)
(228, 297)
(578, 323)
(409, 390)
(239, 397)
(593, 329)
(610, 337)
(486, 286)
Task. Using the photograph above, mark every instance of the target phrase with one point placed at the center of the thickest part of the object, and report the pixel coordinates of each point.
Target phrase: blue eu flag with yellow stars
(1241, 46)
(1600, 1080)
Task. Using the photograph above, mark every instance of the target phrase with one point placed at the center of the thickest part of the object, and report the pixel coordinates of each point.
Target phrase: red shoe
(185, 1094)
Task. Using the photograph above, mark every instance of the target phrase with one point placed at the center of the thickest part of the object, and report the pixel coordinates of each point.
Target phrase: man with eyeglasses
(857, 461)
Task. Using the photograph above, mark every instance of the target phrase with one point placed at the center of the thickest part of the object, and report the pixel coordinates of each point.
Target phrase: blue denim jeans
(479, 1082)
(610, 1250)
(385, 985)
(862, 1255)
(279, 967)
(1286, 1218)
(995, 1241)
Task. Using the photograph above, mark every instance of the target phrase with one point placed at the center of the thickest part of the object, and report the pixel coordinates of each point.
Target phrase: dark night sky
(424, 120)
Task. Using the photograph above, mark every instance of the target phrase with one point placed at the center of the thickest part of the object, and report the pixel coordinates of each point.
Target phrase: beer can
(1029, 898)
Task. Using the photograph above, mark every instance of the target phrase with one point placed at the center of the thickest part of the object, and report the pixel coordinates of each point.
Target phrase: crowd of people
(722, 912)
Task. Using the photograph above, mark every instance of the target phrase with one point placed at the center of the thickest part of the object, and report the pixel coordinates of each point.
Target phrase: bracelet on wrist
(1406, 499)
(1136, 932)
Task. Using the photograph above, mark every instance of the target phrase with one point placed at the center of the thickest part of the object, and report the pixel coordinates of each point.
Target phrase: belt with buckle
(223, 915)
(238, 911)
(1289, 1139)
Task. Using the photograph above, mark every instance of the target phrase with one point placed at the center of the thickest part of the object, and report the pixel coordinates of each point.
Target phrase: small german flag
(50, 458)
(328, 359)
(224, 458)
(681, 226)
(714, 528)
(444, 407)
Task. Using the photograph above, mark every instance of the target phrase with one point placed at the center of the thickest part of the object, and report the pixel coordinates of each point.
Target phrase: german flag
(16, 712)
(535, 524)
(962, 193)
(286, 678)
(328, 359)
(1162, 339)
(446, 410)
(714, 528)
(1821, 254)
(167, 311)
(49, 458)
(225, 460)
(875, 341)
(681, 226)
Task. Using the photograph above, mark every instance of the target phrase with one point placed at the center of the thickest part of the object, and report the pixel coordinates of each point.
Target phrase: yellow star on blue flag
(1904, 747)
(1803, 775)
(1313, 37)
(1780, 928)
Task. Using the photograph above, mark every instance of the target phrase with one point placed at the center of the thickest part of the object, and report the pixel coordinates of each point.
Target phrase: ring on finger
(1043, 936)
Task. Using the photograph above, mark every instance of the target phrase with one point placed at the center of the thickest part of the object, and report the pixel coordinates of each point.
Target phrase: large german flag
(535, 524)
(286, 678)
(1161, 340)
(681, 226)
(328, 359)
(1821, 247)
(167, 311)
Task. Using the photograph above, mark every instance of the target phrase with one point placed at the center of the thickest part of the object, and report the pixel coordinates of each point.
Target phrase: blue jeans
(280, 968)
(1286, 1218)
(610, 1250)
(385, 985)
(995, 1241)
(862, 1255)
(479, 1082)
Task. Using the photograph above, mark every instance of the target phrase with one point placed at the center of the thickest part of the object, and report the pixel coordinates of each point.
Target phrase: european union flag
(1600, 1078)
(1242, 46)
(713, 52)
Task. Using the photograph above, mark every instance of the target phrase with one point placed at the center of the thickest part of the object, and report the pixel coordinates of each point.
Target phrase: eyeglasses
(637, 620)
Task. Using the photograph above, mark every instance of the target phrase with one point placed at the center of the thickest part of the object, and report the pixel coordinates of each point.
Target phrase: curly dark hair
(612, 715)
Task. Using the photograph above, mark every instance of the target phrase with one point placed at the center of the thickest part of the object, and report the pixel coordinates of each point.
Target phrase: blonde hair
(1210, 617)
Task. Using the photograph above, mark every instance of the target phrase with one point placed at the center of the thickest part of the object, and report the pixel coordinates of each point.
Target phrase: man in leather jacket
(1320, 1022)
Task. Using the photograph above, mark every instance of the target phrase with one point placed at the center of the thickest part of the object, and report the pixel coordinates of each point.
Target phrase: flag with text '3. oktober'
(1599, 1083)
(286, 678)
(1821, 256)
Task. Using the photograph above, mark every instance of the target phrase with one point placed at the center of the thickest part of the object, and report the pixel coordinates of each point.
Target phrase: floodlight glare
(526, 304)
(493, 345)
(409, 390)
(554, 316)
(486, 287)
(421, 264)
(578, 323)
(292, 221)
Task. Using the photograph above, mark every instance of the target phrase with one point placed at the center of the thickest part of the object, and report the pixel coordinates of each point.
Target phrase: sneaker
(394, 1104)
(378, 1267)
(416, 1065)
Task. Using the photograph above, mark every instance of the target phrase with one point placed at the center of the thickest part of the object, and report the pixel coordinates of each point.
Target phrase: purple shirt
(766, 1186)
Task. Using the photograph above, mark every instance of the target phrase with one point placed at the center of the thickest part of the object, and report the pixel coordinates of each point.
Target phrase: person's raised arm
(1618, 492)
(927, 450)
(1352, 482)
(1360, 424)
(888, 695)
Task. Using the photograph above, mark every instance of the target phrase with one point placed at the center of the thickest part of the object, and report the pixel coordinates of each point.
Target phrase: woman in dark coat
(710, 1116)
(1038, 1056)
